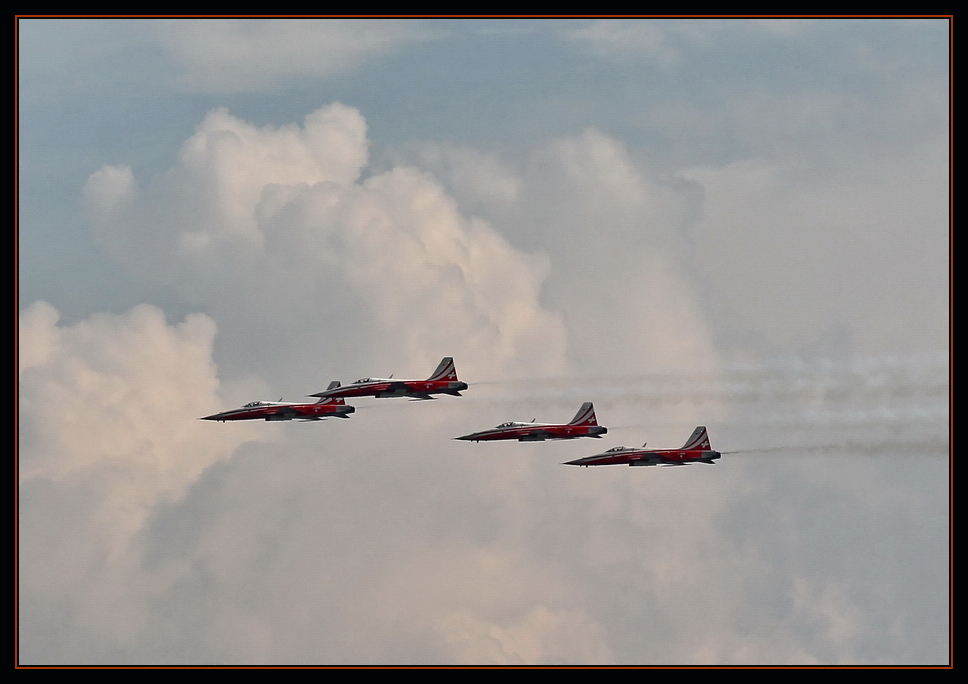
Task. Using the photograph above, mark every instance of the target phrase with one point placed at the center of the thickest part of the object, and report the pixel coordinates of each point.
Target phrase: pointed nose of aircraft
(577, 461)
(214, 416)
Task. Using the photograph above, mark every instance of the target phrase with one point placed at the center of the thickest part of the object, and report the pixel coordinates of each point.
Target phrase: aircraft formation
(332, 404)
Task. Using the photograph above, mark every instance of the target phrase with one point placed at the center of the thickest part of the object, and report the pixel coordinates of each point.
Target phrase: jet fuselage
(278, 410)
(535, 432)
(388, 387)
(584, 424)
(695, 450)
(647, 457)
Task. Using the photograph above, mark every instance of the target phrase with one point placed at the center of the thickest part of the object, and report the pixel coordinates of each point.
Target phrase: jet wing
(403, 389)
(291, 412)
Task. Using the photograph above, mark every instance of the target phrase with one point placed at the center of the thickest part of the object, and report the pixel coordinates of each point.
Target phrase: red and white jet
(583, 424)
(695, 450)
(279, 410)
(443, 381)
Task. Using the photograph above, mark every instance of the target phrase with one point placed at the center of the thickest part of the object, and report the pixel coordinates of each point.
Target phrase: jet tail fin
(585, 415)
(698, 441)
(445, 370)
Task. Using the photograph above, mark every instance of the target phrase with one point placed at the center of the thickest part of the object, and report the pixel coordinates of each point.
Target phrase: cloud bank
(148, 536)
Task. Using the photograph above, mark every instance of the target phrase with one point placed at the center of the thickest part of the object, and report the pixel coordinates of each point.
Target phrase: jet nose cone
(466, 438)
(212, 417)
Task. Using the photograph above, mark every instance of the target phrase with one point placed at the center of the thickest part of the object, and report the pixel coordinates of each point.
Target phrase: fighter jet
(695, 450)
(279, 410)
(443, 381)
(583, 424)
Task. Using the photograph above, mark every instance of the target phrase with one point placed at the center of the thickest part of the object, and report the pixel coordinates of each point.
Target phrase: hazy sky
(736, 223)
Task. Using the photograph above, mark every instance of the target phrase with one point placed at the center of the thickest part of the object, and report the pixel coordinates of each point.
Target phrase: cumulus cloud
(623, 276)
(204, 210)
(99, 400)
(622, 266)
(277, 224)
(108, 431)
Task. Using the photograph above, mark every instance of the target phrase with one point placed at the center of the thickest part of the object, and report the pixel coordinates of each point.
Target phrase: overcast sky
(742, 224)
